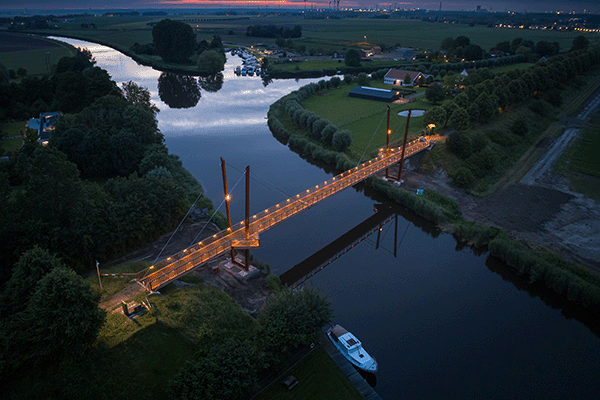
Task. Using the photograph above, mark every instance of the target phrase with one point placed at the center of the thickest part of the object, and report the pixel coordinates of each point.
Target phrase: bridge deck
(188, 259)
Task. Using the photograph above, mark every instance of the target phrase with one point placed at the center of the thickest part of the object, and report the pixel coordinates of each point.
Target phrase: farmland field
(35, 54)
(320, 34)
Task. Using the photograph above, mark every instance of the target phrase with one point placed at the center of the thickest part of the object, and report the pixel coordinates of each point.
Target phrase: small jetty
(365, 390)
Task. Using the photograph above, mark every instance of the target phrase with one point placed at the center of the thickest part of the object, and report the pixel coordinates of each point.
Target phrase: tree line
(272, 31)
(464, 102)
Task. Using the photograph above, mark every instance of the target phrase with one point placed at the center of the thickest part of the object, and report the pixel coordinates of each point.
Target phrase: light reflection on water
(442, 321)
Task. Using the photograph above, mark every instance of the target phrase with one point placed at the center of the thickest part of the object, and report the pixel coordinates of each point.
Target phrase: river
(443, 321)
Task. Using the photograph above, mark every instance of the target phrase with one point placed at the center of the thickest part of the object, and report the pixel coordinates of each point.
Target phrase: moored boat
(352, 349)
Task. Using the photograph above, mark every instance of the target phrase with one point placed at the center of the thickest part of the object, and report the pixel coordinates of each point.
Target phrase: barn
(369, 93)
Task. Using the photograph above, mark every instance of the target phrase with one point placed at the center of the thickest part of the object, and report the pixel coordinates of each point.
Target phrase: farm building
(397, 76)
(369, 93)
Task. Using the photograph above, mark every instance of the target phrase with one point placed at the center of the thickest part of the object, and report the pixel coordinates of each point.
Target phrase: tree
(290, 319)
(327, 134)
(229, 371)
(435, 93)
(459, 119)
(407, 79)
(435, 116)
(341, 140)
(317, 127)
(352, 58)
(174, 40)
(31, 267)
(135, 94)
(362, 79)
(211, 62)
(62, 317)
(580, 43)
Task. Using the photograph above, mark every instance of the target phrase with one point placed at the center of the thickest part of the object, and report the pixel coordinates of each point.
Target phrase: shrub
(520, 127)
(463, 177)
(335, 81)
(347, 79)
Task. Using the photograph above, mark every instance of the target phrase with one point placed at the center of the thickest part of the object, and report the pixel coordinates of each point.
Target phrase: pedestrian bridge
(240, 236)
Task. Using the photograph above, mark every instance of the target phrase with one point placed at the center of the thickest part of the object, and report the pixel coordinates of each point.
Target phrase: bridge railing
(190, 258)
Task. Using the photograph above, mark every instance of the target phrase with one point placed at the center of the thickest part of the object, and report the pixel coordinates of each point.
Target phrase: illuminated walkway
(240, 238)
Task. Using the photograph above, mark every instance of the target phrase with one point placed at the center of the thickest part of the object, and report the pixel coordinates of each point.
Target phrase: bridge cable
(211, 217)
(373, 136)
(175, 231)
(397, 130)
(263, 182)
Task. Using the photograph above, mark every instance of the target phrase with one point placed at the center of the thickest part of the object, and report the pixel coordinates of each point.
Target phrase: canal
(443, 320)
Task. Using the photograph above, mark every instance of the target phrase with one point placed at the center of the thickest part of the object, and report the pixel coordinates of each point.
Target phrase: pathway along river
(442, 320)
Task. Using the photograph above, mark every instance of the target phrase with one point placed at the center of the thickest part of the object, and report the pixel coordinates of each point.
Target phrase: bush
(273, 283)
(520, 127)
(463, 177)
(347, 79)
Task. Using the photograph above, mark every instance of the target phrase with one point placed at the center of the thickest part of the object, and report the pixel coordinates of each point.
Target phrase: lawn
(11, 129)
(318, 378)
(366, 119)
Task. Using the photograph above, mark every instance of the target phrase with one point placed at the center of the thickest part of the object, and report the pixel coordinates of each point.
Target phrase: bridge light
(214, 235)
(168, 258)
(227, 197)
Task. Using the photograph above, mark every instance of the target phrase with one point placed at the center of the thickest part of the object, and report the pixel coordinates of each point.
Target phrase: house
(44, 125)
(396, 77)
(468, 71)
(409, 56)
(369, 93)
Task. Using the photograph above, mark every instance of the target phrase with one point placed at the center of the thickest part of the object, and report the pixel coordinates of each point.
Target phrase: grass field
(318, 378)
(324, 35)
(11, 129)
(366, 119)
(37, 55)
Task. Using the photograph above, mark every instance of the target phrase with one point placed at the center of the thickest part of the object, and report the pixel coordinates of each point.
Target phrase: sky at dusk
(450, 5)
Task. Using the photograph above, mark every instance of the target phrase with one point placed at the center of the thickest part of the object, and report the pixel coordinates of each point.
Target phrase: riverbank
(542, 230)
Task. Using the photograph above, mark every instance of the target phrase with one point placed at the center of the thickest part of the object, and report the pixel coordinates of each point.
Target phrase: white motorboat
(352, 349)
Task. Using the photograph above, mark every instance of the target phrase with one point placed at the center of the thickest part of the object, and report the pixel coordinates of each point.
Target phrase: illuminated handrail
(188, 259)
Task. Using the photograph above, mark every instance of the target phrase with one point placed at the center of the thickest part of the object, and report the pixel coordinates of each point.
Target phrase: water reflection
(178, 91)
(266, 80)
(211, 83)
(304, 270)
